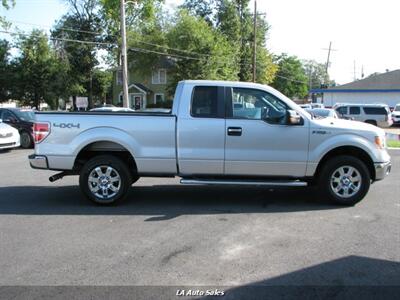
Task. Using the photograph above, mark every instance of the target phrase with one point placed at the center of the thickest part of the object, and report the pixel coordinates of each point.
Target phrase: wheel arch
(104, 147)
(354, 151)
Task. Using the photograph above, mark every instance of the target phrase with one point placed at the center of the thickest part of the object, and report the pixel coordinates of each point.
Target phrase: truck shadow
(161, 202)
(350, 277)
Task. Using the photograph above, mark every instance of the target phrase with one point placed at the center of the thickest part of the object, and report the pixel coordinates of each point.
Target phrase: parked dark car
(21, 119)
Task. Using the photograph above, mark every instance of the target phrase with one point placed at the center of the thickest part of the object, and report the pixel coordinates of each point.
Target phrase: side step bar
(294, 183)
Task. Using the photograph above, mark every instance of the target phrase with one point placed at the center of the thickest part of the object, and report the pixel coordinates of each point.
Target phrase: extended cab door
(258, 140)
(201, 130)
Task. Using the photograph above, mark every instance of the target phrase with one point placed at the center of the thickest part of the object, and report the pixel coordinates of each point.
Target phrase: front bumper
(382, 170)
(9, 142)
(10, 145)
(38, 161)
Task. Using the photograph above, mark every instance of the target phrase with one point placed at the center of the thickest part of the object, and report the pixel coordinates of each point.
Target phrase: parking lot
(166, 234)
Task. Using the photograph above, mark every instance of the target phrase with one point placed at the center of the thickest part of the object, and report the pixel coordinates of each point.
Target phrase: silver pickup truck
(218, 132)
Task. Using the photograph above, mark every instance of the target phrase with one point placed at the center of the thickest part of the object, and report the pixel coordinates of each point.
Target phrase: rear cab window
(207, 102)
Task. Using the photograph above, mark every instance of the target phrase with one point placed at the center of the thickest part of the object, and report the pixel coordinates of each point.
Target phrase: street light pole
(124, 60)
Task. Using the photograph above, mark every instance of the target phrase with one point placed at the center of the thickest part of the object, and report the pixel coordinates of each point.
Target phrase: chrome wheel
(346, 181)
(104, 182)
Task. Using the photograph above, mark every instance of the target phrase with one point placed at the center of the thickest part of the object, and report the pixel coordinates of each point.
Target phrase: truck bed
(148, 136)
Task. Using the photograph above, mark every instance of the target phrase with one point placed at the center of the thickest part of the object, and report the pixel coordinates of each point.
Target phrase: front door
(136, 101)
(258, 140)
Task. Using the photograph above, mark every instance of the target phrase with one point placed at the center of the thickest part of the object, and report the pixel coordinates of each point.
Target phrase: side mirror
(293, 118)
(1, 121)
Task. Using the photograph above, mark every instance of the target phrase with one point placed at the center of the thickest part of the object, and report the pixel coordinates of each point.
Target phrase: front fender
(342, 140)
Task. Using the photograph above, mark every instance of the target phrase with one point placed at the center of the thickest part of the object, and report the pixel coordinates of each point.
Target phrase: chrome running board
(294, 183)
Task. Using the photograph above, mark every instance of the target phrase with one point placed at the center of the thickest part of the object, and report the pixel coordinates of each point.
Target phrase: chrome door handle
(235, 131)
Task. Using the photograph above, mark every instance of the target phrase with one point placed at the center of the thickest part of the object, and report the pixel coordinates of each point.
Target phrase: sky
(364, 33)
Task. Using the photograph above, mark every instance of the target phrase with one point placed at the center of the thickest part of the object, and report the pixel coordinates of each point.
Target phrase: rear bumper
(38, 161)
(382, 170)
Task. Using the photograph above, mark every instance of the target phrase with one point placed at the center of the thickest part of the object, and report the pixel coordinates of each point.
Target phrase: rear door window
(375, 111)
(355, 110)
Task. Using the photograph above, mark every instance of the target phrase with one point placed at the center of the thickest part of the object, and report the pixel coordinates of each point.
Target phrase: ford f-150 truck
(218, 132)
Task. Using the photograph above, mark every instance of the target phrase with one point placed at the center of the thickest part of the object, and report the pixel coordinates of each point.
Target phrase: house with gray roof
(378, 88)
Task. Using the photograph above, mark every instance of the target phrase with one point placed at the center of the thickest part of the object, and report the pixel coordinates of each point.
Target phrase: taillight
(40, 131)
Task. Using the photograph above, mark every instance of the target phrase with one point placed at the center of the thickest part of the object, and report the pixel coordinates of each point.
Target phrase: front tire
(105, 179)
(344, 180)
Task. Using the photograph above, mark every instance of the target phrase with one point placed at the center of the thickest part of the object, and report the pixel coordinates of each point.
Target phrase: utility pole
(354, 71)
(124, 60)
(328, 61)
(255, 42)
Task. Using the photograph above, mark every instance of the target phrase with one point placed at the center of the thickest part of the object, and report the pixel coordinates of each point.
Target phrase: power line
(59, 39)
(115, 36)
(142, 50)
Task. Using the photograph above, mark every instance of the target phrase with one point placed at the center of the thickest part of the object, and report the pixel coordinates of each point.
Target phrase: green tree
(316, 73)
(5, 70)
(7, 4)
(141, 16)
(215, 57)
(291, 78)
(102, 84)
(82, 23)
(235, 21)
(38, 72)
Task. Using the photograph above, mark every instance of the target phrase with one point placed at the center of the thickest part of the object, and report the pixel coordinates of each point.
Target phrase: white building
(381, 88)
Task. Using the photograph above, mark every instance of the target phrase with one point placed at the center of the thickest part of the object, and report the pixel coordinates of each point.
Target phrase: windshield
(397, 108)
(25, 115)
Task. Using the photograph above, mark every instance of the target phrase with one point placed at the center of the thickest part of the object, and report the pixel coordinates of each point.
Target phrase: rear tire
(26, 140)
(105, 179)
(344, 180)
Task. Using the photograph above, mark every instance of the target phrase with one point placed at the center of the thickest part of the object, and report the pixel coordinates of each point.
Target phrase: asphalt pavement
(166, 235)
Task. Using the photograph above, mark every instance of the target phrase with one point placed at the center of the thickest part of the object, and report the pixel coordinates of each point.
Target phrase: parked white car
(323, 113)
(375, 114)
(305, 106)
(396, 114)
(9, 136)
(317, 105)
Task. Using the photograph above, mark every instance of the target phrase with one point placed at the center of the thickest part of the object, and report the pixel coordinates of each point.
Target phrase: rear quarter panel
(149, 139)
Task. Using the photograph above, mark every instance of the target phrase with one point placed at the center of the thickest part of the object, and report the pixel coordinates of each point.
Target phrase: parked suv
(375, 114)
(21, 119)
(396, 114)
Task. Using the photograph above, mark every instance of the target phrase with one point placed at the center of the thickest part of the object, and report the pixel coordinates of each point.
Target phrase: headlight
(380, 142)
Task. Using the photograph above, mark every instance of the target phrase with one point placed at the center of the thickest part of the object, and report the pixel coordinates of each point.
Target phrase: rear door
(258, 141)
(201, 131)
